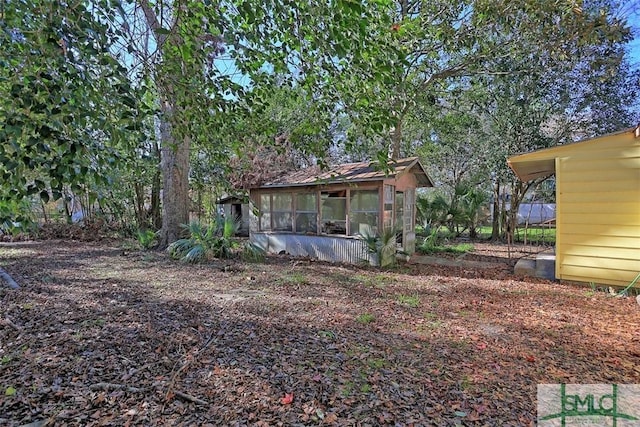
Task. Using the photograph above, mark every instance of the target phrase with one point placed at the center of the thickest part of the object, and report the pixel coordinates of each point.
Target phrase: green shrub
(204, 242)
(16, 217)
(382, 247)
(146, 238)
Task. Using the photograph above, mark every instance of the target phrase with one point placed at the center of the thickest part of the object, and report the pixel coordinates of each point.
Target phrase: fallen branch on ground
(8, 279)
(190, 398)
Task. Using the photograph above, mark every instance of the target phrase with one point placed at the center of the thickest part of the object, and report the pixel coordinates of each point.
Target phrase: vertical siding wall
(598, 211)
(324, 248)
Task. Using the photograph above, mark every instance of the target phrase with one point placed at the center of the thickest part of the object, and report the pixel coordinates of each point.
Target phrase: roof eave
(319, 183)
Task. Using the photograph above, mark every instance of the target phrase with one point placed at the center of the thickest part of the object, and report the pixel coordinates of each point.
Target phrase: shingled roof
(352, 172)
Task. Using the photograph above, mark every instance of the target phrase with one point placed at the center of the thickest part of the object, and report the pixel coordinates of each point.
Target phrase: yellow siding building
(597, 205)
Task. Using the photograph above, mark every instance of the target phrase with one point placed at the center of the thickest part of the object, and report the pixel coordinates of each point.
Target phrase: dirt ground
(101, 335)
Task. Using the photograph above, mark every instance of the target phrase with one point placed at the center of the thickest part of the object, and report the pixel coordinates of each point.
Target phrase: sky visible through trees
(143, 99)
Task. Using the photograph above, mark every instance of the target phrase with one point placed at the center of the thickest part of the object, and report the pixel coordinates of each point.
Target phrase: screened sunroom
(324, 214)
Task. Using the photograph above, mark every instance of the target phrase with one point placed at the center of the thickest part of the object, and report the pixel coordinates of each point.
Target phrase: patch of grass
(365, 388)
(376, 362)
(327, 334)
(435, 324)
(295, 278)
(47, 278)
(356, 350)
(347, 389)
(429, 326)
(412, 301)
(460, 248)
(534, 234)
(430, 315)
(365, 318)
(5, 359)
(379, 281)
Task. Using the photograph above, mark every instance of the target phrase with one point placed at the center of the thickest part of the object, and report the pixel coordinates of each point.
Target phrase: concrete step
(525, 267)
(543, 266)
(546, 265)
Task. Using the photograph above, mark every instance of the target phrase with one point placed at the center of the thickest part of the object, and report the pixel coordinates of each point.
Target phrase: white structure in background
(533, 213)
(536, 213)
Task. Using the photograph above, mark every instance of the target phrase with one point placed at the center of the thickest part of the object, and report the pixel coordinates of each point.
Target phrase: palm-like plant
(432, 211)
(213, 241)
(382, 247)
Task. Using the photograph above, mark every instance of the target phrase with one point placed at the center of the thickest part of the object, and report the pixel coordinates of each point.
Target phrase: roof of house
(232, 198)
(352, 172)
(541, 163)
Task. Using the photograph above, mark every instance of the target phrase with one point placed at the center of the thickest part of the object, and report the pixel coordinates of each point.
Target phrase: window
(400, 215)
(364, 205)
(409, 212)
(334, 212)
(306, 213)
(265, 212)
(281, 212)
(276, 212)
(387, 216)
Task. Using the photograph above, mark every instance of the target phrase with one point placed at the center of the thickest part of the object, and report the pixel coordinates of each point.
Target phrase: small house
(597, 205)
(325, 214)
(236, 207)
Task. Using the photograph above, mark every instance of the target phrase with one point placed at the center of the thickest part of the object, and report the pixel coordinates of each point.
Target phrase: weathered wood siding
(598, 211)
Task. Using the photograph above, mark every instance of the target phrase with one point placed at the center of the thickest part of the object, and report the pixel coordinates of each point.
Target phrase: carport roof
(542, 163)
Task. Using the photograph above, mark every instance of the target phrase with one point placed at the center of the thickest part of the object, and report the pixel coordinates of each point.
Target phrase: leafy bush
(146, 238)
(204, 242)
(16, 217)
(458, 211)
(431, 241)
(382, 247)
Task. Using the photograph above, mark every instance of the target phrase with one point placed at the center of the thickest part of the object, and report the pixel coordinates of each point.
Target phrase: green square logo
(616, 405)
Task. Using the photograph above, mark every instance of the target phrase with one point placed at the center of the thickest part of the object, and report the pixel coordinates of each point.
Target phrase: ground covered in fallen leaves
(98, 335)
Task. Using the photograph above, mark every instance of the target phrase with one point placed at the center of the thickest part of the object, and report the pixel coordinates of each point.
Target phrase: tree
(560, 98)
(65, 101)
(257, 43)
(435, 44)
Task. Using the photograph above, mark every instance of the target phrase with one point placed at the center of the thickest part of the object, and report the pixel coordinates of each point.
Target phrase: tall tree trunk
(174, 154)
(495, 220)
(156, 212)
(138, 206)
(175, 173)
